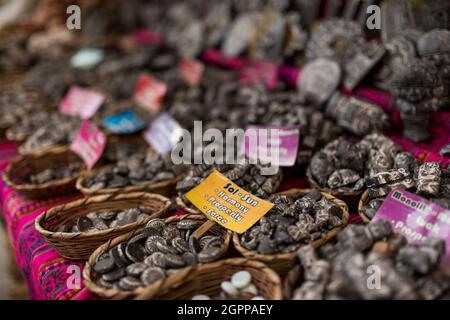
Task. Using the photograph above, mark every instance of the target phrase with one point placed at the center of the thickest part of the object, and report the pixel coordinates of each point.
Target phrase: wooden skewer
(203, 229)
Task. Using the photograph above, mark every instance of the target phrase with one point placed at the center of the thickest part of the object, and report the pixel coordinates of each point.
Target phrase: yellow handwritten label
(226, 203)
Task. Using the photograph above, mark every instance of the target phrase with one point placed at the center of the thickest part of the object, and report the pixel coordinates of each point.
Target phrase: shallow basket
(362, 202)
(283, 262)
(351, 198)
(80, 245)
(292, 280)
(115, 141)
(89, 276)
(14, 174)
(206, 279)
(166, 188)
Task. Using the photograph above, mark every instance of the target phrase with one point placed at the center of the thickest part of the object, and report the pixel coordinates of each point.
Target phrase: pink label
(278, 145)
(260, 72)
(81, 102)
(416, 218)
(191, 71)
(149, 93)
(89, 143)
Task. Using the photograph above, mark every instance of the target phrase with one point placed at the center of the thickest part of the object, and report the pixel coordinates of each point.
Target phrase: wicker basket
(80, 245)
(115, 141)
(14, 174)
(351, 198)
(292, 281)
(89, 276)
(206, 279)
(362, 202)
(283, 262)
(166, 188)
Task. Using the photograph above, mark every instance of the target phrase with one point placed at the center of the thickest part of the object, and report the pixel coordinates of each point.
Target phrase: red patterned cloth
(43, 269)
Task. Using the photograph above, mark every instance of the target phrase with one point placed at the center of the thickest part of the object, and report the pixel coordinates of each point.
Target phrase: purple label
(416, 218)
(163, 134)
(262, 141)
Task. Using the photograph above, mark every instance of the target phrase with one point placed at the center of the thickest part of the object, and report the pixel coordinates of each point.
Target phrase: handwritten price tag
(191, 71)
(89, 143)
(228, 204)
(163, 134)
(81, 102)
(149, 93)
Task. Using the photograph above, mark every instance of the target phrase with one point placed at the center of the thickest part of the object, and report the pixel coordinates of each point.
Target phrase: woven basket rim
(174, 282)
(335, 193)
(117, 294)
(291, 280)
(10, 135)
(133, 188)
(362, 202)
(36, 156)
(183, 205)
(24, 152)
(86, 202)
(290, 255)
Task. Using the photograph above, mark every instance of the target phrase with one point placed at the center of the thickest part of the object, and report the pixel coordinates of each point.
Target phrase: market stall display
(115, 136)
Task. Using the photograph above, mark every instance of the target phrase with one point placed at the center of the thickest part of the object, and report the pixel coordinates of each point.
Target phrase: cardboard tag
(81, 102)
(89, 143)
(163, 134)
(191, 71)
(260, 141)
(126, 122)
(257, 72)
(228, 204)
(416, 218)
(149, 93)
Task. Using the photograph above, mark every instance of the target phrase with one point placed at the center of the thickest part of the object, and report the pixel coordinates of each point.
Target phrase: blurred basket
(17, 169)
(114, 293)
(80, 245)
(283, 262)
(351, 198)
(115, 141)
(206, 279)
(292, 281)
